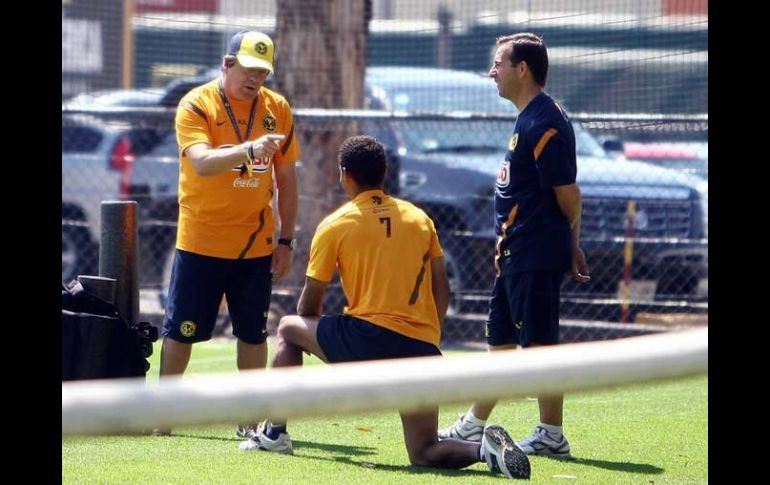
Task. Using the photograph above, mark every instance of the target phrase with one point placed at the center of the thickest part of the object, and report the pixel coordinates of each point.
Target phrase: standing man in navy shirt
(537, 221)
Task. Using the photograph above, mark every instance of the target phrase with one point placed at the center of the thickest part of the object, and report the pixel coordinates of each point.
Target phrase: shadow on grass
(206, 437)
(618, 466)
(328, 448)
(346, 460)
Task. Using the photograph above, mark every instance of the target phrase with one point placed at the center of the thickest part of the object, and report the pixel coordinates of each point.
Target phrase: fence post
(118, 255)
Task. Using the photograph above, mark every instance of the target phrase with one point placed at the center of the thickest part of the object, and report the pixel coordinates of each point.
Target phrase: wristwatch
(288, 241)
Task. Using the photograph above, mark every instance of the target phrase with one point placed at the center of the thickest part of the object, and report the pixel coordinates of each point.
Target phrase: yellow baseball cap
(253, 49)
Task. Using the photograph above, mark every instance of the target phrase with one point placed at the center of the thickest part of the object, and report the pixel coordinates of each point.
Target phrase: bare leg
(174, 357)
(551, 409)
(551, 406)
(295, 335)
(483, 410)
(424, 449)
(251, 356)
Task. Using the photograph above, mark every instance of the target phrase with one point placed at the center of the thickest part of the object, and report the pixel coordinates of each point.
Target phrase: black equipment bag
(97, 342)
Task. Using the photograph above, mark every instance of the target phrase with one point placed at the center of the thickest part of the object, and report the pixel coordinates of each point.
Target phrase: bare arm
(311, 299)
(286, 182)
(571, 205)
(440, 286)
(213, 161)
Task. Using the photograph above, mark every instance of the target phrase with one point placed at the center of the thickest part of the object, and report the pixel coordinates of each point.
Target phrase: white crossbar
(133, 405)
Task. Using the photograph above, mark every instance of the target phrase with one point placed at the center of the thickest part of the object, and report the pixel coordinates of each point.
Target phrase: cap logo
(261, 48)
(269, 123)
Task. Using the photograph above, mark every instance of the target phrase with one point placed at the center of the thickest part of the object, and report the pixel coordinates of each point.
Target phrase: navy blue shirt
(536, 236)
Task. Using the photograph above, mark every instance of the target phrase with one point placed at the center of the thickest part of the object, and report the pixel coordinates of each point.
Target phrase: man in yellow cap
(237, 146)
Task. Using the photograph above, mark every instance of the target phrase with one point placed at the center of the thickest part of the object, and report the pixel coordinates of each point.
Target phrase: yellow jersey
(382, 247)
(230, 215)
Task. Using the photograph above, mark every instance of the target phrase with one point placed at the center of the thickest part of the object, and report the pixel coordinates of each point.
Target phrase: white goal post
(134, 405)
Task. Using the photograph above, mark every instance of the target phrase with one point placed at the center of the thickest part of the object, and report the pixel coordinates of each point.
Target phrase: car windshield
(481, 98)
(461, 136)
(479, 136)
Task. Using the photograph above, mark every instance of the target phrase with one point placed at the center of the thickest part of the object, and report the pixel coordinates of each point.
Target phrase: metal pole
(118, 255)
(444, 41)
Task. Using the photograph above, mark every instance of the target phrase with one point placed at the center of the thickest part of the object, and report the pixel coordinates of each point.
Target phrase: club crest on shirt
(513, 141)
(504, 176)
(269, 123)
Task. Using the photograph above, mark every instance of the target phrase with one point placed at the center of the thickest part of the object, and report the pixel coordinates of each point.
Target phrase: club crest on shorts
(269, 123)
(187, 328)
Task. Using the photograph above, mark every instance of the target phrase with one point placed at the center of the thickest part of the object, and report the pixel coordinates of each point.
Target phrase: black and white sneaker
(541, 442)
(245, 431)
(502, 454)
(260, 441)
(462, 429)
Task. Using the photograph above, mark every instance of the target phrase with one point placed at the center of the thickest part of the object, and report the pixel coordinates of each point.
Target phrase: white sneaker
(502, 454)
(462, 429)
(245, 430)
(260, 441)
(544, 443)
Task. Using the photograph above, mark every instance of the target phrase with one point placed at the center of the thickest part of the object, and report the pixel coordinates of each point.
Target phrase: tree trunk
(320, 63)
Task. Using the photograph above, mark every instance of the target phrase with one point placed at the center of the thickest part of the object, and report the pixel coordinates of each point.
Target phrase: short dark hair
(364, 158)
(530, 48)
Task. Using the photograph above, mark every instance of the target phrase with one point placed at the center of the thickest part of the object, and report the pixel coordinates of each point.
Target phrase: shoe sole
(515, 461)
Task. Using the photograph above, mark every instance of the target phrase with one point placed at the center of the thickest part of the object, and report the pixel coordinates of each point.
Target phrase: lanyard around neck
(231, 115)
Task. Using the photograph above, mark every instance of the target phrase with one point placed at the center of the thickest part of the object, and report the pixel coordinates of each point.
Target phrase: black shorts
(348, 339)
(524, 309)
(195, 293)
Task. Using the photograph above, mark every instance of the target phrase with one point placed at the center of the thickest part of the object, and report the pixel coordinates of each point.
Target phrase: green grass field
(646, 434)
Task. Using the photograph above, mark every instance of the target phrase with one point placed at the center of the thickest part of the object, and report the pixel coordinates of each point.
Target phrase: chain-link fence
(447, 166)
(643, 175)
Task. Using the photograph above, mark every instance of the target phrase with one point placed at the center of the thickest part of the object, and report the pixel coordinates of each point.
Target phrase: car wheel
(69, 256)
(78, 254)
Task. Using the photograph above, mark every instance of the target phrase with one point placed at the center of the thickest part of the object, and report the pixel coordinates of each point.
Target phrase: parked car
(96, 159)
(117, 97)
(97, 165)
(687, 157)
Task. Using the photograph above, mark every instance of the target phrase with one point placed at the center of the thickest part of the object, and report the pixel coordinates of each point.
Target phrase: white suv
(97, 160)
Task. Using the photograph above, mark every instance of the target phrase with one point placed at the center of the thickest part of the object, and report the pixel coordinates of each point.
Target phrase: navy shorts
(348, 339)
(524, 309)
(195, 294)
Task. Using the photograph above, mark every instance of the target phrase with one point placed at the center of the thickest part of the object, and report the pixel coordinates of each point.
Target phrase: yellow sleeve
(435, 249)
(290, 150)
(323, 253)
(192, 124)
